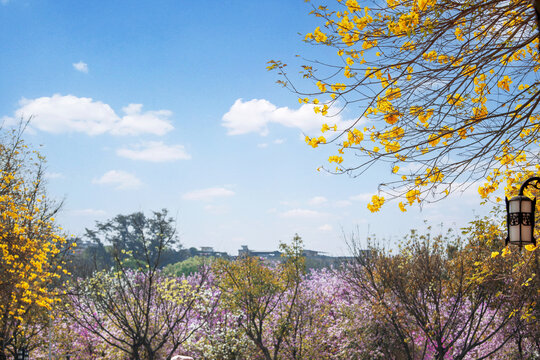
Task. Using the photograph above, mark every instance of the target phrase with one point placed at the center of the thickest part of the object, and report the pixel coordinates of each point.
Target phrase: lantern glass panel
(514, 234)
(526, 232)
(526, 205)
(515, 205)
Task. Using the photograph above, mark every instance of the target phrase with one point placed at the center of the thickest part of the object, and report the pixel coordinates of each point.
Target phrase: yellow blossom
(412, 195)
(459, 34)
(505, 83)
(376, 203)
(531, 247)
(319, 35)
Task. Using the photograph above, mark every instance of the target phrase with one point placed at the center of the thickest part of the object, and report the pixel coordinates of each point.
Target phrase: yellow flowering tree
(438, 297)
(445, 92)
(30, 247)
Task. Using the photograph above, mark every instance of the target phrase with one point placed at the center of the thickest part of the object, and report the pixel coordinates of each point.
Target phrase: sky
(140, 106)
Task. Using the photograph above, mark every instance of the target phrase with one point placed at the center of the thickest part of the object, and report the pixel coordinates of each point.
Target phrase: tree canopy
(445, 92)
(31, 247)
(136, 239)
(258, 292)
(131, 306)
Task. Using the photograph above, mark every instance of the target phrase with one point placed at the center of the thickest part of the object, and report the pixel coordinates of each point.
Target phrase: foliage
(139, 313)
(135, 239)
(436, 297)
(89, 258)
(220, 337)
(259, 292)
(439, 304)
(30, 247)
(187, 267)
(447, 92)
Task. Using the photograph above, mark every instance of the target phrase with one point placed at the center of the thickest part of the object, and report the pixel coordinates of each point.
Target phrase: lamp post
(520, 216)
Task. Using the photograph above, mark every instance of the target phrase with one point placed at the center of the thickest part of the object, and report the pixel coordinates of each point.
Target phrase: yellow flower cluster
(455, 99)
(430, 56)
(505, 83)
(323, 111)
(27, 248)
(423, 4)
(406, 23)
(459, 34)
(321, 86)
(412, 196)
(354, 137)
(314, 142)
(335, 158)
(376, 203)
(325, 128)
(338, 86)
(392, 118)
(317, 35)
(434, 175)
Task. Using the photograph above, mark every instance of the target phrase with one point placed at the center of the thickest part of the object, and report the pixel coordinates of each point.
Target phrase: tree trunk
(520, 348)
(135, 353)
(150, 353)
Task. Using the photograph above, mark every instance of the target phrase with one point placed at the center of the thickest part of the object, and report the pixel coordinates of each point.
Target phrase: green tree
(135, 239)
(187, 267)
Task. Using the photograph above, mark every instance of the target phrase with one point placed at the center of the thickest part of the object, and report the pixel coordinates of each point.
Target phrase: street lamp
(520, 216)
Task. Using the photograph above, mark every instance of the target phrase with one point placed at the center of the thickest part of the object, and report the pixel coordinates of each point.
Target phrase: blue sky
(140, 106)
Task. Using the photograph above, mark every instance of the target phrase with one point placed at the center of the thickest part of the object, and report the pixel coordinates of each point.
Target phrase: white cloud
(301, 213)
(88, 212)
(325, 227)
(154, 151)
(208, 194)
(63, 114)
(289, 203)
(119, 179)
(216, 209)
(53, 175)
(136, 122)
(275, 142)
(362, 197)
(342, 203)
(81, 66)
(317, 200)
(255, 115)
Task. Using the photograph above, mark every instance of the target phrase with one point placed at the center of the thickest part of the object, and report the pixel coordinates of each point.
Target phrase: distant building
(245, 251)
(209, 251)
(314, 259)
